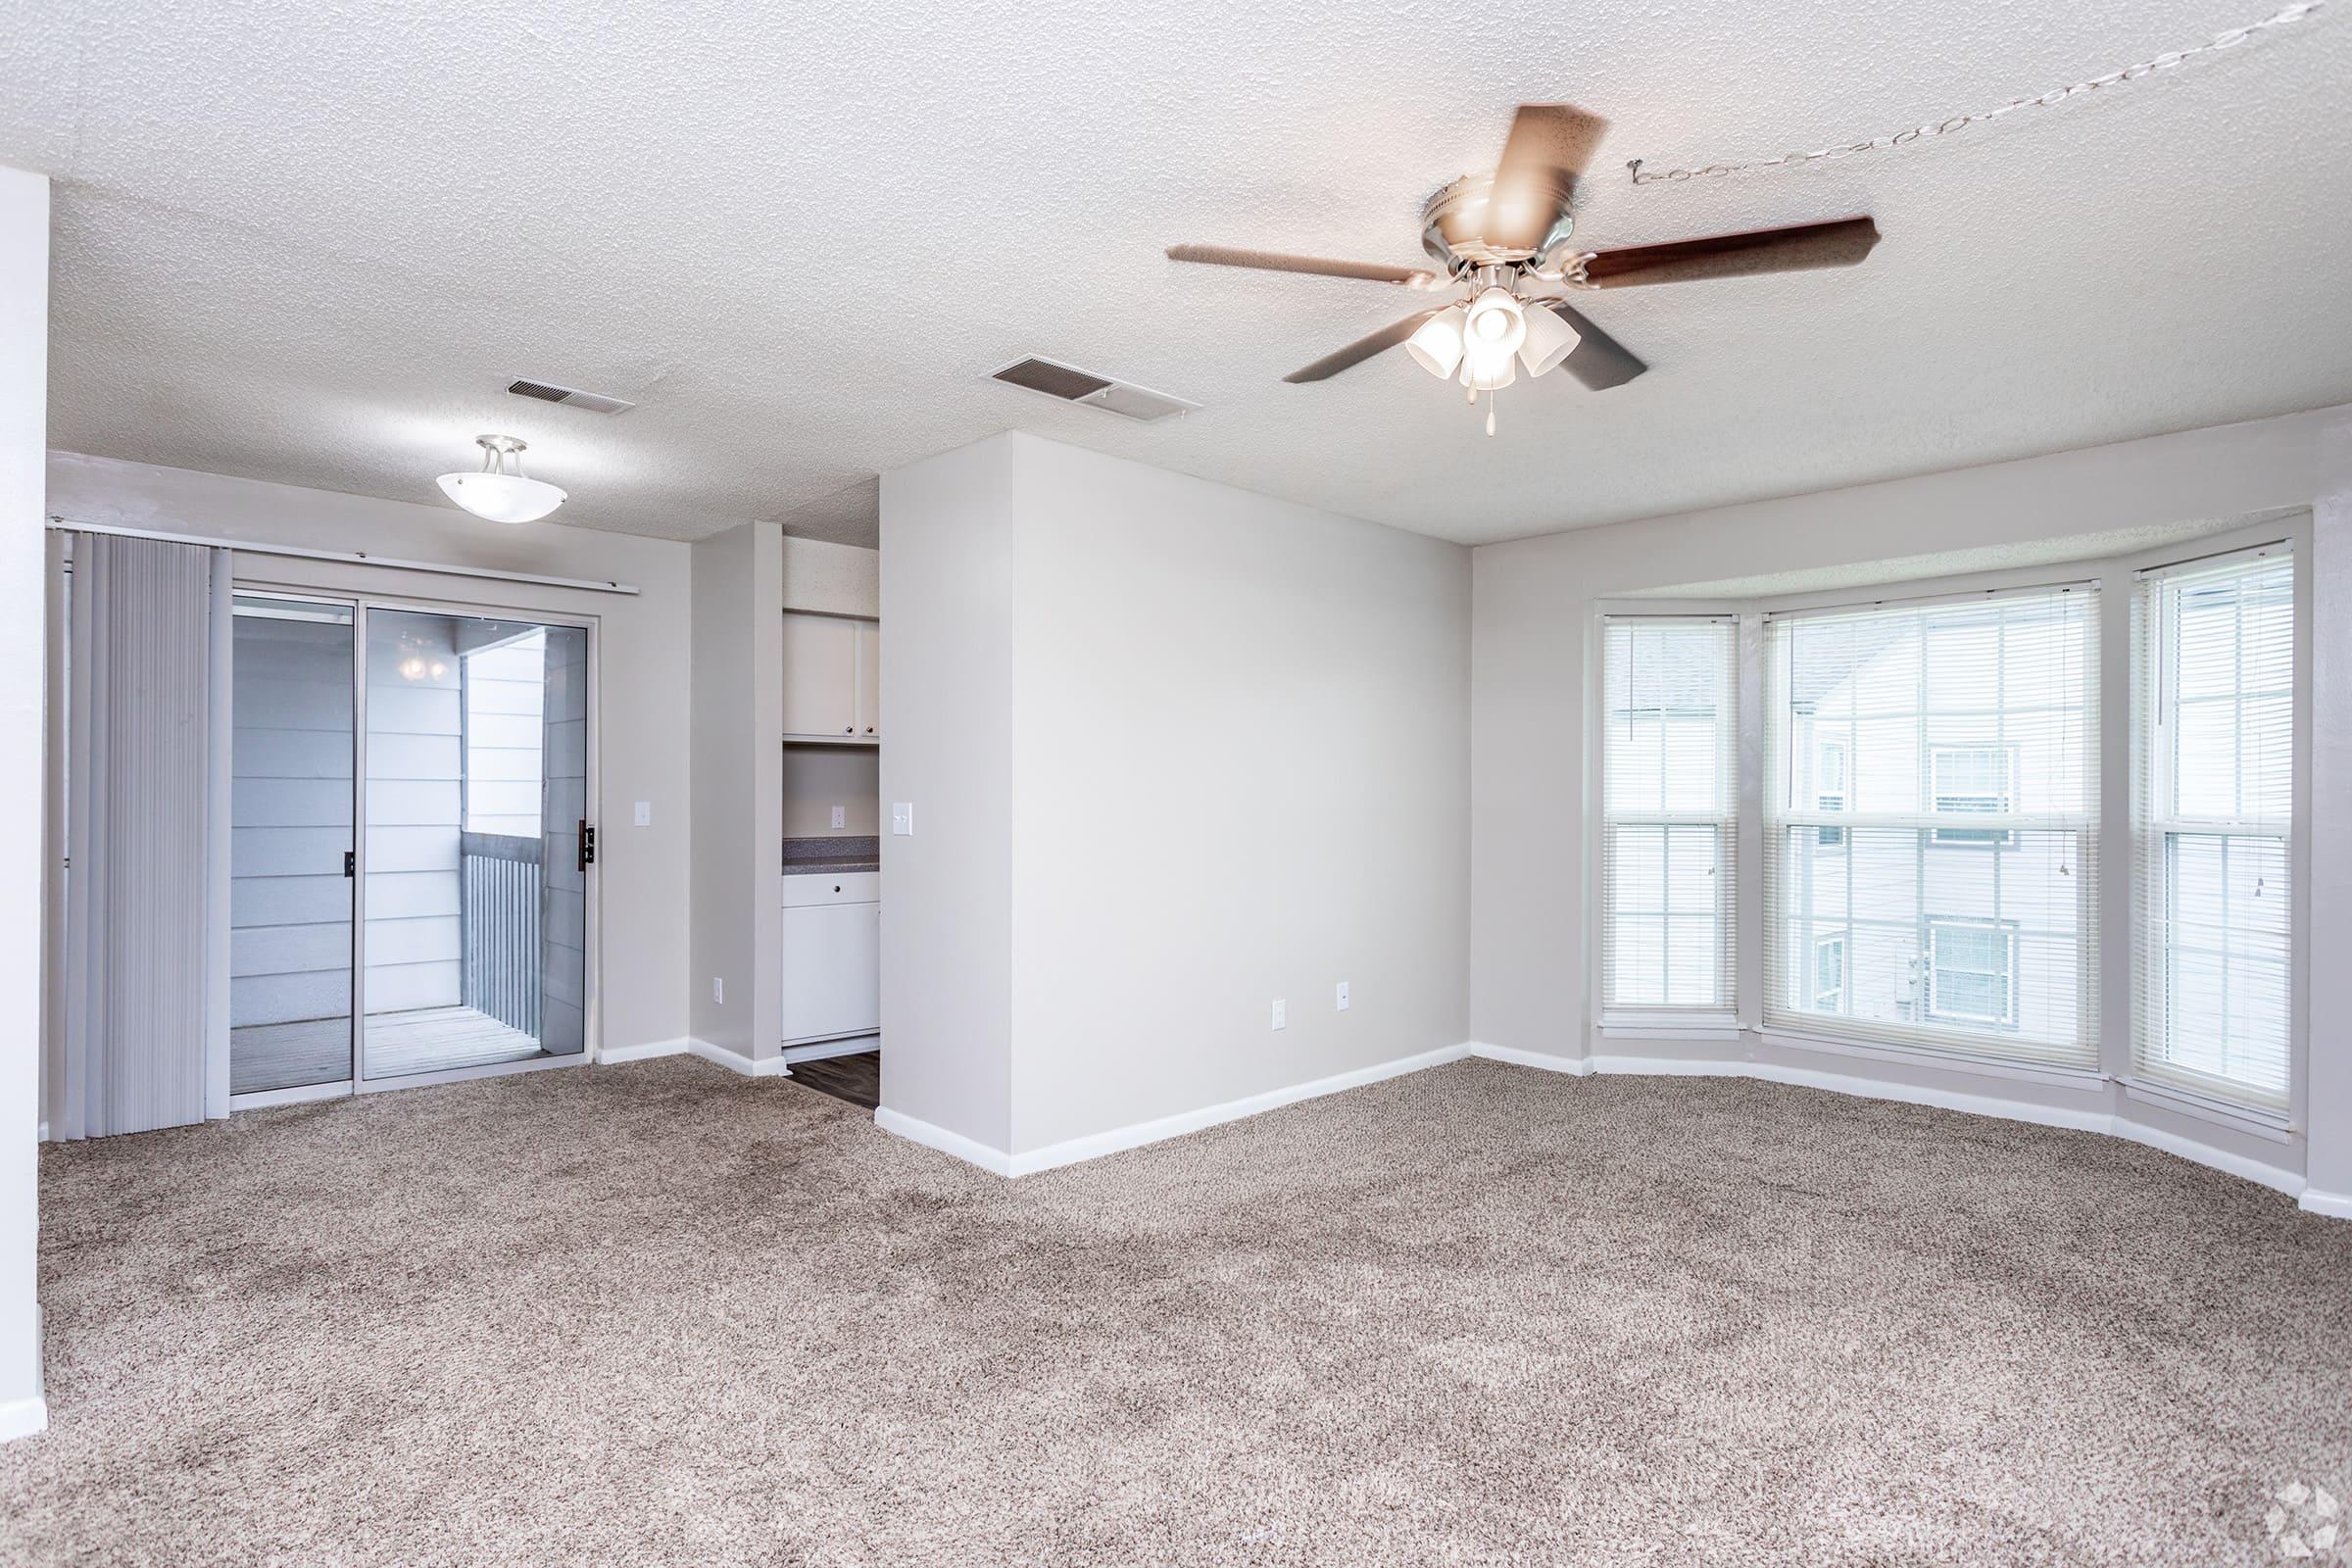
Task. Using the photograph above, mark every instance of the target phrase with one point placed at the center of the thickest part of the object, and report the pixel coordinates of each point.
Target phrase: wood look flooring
(857, 1079)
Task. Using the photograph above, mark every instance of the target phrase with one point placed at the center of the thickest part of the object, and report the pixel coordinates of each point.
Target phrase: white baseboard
(2080, 1119)
(1574, 1067)
(1096, 1145)
(993, 1161)
(737, 1061)
(2335, 1206)
(641, 1051)
(824, 1049)
(22, 1418)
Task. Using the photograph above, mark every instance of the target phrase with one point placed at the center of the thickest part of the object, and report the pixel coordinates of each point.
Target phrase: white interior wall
(23, 436)
(738, 741)
(1531, 659)
(947, 721)
(1212, 754)
(645, 664)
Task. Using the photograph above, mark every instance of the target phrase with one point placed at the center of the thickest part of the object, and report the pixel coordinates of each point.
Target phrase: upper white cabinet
(832, 678)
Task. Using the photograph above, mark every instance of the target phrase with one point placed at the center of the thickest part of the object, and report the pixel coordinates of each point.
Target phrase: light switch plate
(1341, 997)
(719, 991)
(1282, 1015)
(902, 817)
(644, 816)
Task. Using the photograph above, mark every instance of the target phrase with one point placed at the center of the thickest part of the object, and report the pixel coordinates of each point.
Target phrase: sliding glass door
(426, 772)
(475, 881)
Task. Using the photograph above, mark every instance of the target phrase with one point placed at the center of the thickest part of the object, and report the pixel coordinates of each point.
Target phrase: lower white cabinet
(832, 955)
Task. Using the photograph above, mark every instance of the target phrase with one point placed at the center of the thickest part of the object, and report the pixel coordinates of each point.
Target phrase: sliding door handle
(351, 864)
(587, 842)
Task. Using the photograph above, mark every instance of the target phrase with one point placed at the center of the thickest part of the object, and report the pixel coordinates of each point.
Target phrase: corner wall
(1534, 601)
(1211, 752)
(738, 707)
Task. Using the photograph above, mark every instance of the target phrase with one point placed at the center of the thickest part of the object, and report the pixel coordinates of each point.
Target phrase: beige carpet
(662, 1314)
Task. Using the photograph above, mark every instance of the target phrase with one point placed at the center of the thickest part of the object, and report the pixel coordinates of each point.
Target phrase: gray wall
(738, 744)
(1176, 749)
(948, 616)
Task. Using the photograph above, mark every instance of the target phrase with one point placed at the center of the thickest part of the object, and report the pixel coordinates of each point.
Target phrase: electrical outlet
(1282, 1014)
(840, 817)
(719, 991)
(1340, 1001)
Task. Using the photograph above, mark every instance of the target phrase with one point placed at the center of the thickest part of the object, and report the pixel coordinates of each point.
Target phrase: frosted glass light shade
(1550, 340)
(1496, 321)
(1488, 368)
(501, 497)
(1436, 347)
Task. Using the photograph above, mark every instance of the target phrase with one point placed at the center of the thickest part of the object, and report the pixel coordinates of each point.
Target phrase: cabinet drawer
(804, 889)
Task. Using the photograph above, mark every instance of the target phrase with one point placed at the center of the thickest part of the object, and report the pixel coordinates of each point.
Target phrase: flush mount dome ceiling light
(1503, 239)
(497, 490)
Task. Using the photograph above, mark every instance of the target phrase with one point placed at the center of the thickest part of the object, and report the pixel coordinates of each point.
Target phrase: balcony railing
(501, 885)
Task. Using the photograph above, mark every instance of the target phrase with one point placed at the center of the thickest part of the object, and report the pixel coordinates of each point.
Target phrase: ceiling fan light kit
(498, 492)
(1505, 240)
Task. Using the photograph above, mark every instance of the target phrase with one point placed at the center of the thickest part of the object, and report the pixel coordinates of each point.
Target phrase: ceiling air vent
(572, 396)
(1072, 386)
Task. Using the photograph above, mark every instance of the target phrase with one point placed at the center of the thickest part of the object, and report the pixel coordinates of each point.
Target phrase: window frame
(1648, 1020)
(2158, 836)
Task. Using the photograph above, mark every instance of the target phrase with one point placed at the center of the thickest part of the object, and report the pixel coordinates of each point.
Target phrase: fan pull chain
(2283, 17)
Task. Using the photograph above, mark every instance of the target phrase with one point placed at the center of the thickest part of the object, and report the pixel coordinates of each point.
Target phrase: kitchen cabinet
(832, 678)
(832, 955)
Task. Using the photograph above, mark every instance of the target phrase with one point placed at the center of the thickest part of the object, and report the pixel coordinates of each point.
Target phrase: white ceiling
(311, 240)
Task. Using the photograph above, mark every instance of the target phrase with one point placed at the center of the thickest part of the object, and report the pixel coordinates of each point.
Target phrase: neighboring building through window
(1891, 918)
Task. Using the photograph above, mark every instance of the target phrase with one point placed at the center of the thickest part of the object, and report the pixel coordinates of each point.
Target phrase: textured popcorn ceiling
(311, 241)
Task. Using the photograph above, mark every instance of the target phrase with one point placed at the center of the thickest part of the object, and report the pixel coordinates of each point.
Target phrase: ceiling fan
(1504, 240)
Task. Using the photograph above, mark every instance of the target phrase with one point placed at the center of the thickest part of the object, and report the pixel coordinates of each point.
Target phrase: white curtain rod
(355, 556)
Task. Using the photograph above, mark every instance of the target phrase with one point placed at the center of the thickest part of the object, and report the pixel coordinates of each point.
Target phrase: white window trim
(2114, 892)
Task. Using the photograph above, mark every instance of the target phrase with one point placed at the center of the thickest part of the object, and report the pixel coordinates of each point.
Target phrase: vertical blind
(1669, 809)
(1931, 826)
(2212, 815)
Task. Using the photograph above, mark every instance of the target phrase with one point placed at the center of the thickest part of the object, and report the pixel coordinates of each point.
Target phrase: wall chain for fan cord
(2171, 59)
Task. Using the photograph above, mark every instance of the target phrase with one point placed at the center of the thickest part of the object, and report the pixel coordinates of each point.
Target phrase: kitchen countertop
(832, 856)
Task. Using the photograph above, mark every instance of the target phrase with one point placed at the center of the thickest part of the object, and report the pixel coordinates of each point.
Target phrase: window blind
(1669, 794)
(1931, 816)
(2213, 798)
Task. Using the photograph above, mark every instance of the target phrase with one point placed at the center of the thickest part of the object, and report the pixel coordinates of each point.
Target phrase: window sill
(1669, 1026)
(2057, 1076)
(2274, 1125)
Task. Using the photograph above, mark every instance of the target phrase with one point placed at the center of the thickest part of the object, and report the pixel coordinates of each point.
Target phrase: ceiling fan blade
(1548, 149)
(1362, 349)
(1796, 249)
(1277, 262)
(1598, 360)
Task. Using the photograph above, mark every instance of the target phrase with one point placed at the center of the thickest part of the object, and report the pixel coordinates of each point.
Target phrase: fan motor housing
(1453, 225)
